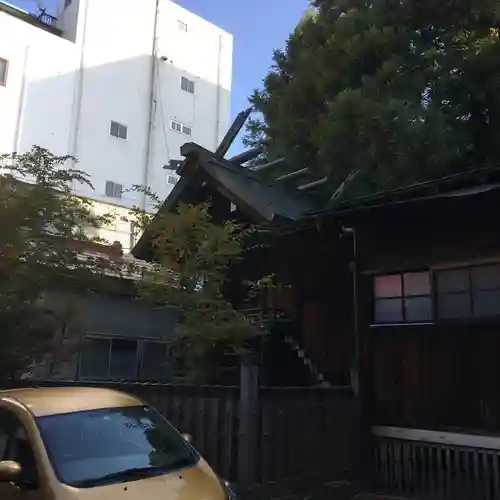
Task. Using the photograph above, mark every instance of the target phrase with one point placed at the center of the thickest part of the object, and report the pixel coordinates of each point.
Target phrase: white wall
(119, 230)
(63, 93)
(203, 54)
(35, 105)
(116, 85)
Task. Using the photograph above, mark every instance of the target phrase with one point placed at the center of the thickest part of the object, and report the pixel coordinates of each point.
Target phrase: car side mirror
(9, 471)
(188, 437)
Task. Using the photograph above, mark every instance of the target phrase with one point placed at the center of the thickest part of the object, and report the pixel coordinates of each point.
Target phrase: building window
(187, 85)
(124, 359)
(403, 298)
(179, 127)
(182, 26)
(176, 126)
(468, 292)
(172, 180)
(4, 68)
(113, 190)
(67, 3)
(118, 130)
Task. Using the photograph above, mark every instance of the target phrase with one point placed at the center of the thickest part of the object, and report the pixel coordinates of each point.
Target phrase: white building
(120, 85)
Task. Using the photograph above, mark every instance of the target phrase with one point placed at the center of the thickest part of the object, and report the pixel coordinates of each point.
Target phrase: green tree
(193, 258)
(43, 226)
(397, 90)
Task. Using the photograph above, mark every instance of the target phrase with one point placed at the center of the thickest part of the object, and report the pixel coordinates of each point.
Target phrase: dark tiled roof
(269, 199)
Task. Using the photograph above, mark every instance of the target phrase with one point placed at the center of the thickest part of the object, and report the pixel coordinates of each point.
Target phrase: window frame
(402, 298)
(182, 26)
(182, 127)
(435, 296)
(115, 190)
(119, 127)
(140, 344)
(5, 76)
(187, 85)
(470, 291)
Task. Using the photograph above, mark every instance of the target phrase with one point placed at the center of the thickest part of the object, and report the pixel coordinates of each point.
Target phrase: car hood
(194, 483)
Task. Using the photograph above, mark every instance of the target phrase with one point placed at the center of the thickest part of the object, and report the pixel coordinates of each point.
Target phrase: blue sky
(258, 26)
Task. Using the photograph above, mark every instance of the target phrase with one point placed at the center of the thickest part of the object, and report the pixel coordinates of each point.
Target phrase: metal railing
(47, 19)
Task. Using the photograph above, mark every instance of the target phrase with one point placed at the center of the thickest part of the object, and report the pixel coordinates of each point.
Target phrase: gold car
(83, 444)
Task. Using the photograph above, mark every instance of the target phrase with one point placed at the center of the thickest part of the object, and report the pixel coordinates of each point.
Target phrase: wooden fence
(270, 442)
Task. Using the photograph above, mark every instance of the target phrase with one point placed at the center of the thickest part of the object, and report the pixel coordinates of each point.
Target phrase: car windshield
(92, 448)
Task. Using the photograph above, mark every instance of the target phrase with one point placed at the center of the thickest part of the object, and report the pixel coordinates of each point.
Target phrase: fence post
(248, 420)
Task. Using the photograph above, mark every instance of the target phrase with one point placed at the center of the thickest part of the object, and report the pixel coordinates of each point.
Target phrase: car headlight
(231, 495)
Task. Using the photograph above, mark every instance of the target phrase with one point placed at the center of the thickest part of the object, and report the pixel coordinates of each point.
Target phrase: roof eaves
(449, 183)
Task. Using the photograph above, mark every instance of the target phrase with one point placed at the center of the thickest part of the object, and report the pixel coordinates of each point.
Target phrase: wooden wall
(431, 376)
(315, 291)
(435, 377)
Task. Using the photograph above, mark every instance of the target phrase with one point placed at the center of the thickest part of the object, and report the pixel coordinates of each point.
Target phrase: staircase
(284, 360)
(313, 369)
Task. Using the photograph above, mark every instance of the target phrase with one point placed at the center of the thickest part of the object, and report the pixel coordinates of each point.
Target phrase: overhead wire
(163, 122)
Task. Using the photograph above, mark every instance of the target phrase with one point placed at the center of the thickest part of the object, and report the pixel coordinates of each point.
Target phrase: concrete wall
(63, 92)
(30, 111)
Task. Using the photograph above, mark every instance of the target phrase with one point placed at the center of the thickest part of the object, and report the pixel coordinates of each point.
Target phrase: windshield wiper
(120, 476)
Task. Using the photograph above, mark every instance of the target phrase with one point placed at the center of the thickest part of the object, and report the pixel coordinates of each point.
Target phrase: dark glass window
(95, 358)
(469, 292)
(104, 358)
(118, 130)
(4, 67)
(187, 85)
(123, 363)
(155, 364)
(402, 297)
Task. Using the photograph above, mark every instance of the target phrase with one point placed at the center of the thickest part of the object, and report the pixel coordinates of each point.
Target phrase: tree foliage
(42, 224)
(404, 90)
(194, 255)
(46, 235)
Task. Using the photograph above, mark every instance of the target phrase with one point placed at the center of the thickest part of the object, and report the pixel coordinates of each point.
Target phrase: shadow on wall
(64, 117)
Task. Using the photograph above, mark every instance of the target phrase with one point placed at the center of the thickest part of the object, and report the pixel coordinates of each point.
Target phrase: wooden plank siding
(443, 375)
(314, 291)
(436, 377)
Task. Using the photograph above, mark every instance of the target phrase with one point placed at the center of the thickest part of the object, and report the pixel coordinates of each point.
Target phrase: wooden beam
(231, 134)
(313, 184)
(343, 185)
(271, 164)
(292, 175)
(438, 266)
(438, 437)
(248, 155)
